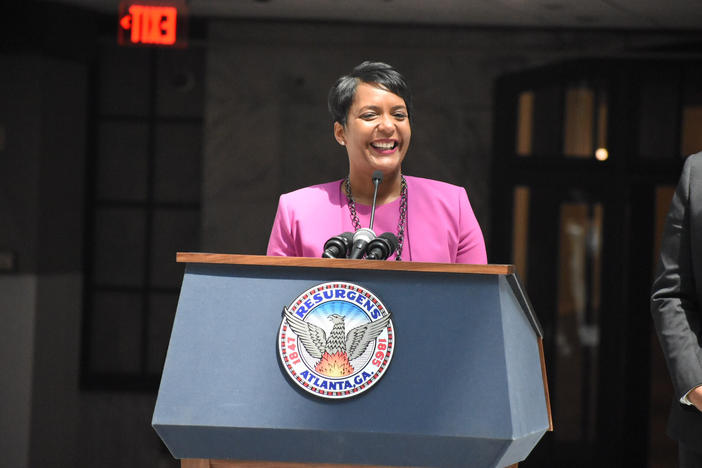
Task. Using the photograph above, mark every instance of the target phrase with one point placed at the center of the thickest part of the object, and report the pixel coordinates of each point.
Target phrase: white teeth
(385, 146)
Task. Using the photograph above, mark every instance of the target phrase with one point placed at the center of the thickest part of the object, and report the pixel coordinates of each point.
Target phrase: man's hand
(695, 397)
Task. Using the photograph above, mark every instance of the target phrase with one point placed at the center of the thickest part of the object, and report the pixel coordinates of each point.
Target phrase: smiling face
(377, 132)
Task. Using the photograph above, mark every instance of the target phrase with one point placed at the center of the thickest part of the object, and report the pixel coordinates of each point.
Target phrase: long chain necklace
(403, 212)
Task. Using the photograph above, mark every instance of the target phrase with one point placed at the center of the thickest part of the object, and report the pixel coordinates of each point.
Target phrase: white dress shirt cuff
(684, 399)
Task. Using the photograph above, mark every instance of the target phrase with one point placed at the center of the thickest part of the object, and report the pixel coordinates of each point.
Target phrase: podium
(466, 385)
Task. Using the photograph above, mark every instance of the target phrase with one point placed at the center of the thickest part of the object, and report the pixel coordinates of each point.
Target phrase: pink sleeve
(471, 245)
(281, 243)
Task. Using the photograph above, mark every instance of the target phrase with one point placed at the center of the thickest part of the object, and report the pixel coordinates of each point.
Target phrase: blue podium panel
(464, 387)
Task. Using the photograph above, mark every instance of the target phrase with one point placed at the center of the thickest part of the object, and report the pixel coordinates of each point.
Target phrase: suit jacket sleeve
(471, 245)
(674, 301)
(281, 242)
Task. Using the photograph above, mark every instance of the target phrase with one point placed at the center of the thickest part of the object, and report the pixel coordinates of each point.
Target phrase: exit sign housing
(152, 23)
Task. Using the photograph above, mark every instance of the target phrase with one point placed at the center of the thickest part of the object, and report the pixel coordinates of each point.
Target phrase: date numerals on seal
(380, 353)
(292, 353)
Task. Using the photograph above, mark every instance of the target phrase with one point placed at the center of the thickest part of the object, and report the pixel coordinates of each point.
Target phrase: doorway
(586, 155)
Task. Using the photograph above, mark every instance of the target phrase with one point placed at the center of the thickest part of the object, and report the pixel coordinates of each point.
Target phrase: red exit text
(147, 24)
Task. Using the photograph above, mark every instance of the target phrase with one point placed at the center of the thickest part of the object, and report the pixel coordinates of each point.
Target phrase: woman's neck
(389, 189)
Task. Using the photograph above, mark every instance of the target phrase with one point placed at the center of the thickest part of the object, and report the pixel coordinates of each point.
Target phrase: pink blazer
(441, 226)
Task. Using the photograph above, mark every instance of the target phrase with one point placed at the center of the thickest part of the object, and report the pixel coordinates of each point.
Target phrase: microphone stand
(377, 179)
(363, 236)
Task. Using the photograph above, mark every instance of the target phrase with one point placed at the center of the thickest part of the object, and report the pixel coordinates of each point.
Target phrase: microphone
(337, 246)
(363, 236)
(382, 246)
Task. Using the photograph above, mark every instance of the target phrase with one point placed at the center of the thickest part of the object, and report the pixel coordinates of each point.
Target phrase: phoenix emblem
(336, 340)
(336, 351)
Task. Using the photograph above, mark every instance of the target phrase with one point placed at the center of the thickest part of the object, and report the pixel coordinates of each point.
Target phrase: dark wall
(267, 130)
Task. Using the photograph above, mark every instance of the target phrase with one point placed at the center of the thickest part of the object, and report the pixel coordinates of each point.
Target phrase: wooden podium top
(260, 260)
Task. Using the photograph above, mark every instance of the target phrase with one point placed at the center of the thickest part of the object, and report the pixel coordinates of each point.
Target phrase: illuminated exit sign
(152, 23)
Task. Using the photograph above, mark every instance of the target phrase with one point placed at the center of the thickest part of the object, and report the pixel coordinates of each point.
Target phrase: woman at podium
(421, 220)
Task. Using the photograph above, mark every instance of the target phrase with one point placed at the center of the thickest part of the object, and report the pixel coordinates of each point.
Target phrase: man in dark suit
(676, 306)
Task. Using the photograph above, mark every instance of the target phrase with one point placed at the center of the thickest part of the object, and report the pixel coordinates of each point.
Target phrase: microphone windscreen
(378, 175)
(348, 238)
(392, 240)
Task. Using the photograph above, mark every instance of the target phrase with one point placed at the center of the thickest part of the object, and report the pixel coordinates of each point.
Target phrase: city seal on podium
(336, 340)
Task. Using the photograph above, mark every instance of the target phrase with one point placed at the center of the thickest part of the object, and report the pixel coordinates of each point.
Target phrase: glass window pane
(173, 231)
(556, 122)
(178, 157)
(162, 308)
(119, 246)
(116, 332)
(548, 121)
(577, 330)
(525, 123)
(124, 81)
(122, 165)
(585, 122)
(578, 123)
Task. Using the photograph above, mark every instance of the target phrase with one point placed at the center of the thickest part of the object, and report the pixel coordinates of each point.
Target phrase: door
(585, 155)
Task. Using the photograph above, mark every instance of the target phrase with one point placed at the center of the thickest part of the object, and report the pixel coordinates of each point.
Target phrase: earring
(342, 143)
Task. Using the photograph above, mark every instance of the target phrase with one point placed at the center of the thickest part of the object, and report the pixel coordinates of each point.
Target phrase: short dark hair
(342, 93)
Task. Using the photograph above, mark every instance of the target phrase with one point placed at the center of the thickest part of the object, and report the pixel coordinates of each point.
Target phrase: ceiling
(610, 14)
